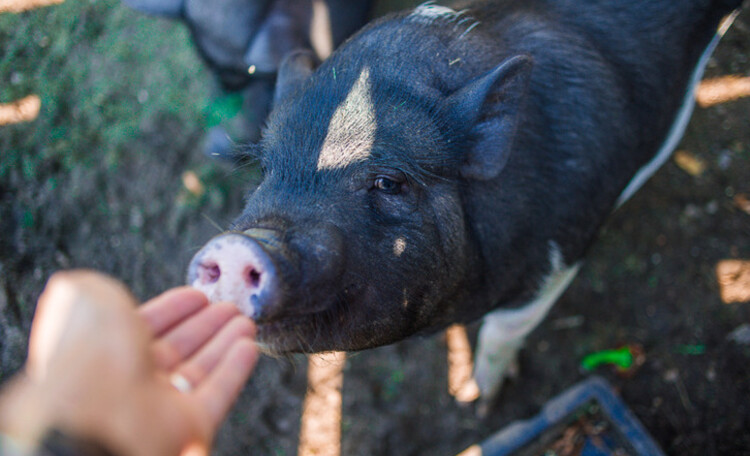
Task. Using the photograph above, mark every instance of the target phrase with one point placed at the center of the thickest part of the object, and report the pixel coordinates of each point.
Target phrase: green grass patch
(106, 76)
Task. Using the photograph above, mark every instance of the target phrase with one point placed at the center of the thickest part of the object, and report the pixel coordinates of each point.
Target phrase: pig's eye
(387, 185)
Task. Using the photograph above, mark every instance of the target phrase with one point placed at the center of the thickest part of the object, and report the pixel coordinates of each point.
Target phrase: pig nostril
(253, 276)
(209, 273)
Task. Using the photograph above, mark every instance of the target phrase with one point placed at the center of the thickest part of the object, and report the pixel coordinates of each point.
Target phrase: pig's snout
(235, 267)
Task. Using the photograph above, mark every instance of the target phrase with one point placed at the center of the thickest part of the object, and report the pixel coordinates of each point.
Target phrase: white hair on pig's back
(429, 13)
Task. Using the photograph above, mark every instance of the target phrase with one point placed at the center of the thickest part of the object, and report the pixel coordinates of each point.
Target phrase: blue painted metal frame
(519, 434)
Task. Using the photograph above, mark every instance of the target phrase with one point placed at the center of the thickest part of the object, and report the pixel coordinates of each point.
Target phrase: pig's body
(441, 165)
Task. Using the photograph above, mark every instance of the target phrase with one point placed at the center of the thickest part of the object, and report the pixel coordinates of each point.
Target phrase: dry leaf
(734, 280)
(23, 110)
(742, 202)
(17, 6)
(689, 163)
(720, 90)
(192, 183)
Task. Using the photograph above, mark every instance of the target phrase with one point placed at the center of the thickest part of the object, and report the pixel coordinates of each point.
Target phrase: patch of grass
(105, 74)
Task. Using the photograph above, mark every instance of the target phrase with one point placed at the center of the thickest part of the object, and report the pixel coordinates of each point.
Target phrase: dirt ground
(76, 192)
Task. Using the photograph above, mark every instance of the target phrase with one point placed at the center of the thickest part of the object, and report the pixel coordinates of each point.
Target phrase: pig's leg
(503, 331)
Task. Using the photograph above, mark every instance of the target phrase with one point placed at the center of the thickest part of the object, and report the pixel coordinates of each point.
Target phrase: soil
(649, 280)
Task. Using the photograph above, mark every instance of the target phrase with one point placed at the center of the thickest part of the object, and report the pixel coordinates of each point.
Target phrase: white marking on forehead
(351, 130)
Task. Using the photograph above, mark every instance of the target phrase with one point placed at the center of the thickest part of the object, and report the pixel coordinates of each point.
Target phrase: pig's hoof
(492, 368)
(489, 397)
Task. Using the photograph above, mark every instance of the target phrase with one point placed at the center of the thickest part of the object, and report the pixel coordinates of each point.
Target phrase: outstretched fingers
(209, 351)
(220, 389)
(204, 361)
(170, 308)
(180, 342)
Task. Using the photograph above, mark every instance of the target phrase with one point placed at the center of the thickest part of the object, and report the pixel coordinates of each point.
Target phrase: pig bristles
(213, 223)
(270, 351)
(251, 153)
(247, 156)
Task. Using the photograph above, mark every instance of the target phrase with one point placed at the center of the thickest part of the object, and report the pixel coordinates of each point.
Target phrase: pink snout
(234, 267)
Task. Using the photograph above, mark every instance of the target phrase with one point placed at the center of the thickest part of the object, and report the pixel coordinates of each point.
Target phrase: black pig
(244, 41)
(442, 165)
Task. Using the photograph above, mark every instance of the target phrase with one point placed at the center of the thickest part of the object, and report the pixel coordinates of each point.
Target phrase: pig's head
(359, 233)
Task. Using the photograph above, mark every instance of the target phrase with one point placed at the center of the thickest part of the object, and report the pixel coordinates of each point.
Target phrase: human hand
(99, 370)
(207, 350)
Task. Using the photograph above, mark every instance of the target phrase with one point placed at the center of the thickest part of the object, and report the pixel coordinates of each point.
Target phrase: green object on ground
(698, 349)
(621, 357)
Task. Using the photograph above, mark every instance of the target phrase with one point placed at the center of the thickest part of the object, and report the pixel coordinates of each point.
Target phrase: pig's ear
(296, 67)
(168, 8)
(489, 108)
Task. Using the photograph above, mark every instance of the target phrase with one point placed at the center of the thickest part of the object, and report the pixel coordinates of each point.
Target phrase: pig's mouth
(319, 330)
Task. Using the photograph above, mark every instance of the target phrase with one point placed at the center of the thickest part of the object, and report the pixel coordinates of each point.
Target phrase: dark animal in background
(244, 41)
(449, 164)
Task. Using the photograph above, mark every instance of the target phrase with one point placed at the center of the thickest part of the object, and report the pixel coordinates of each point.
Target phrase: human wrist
(54, 443)
(23, 418)
(31, 426)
